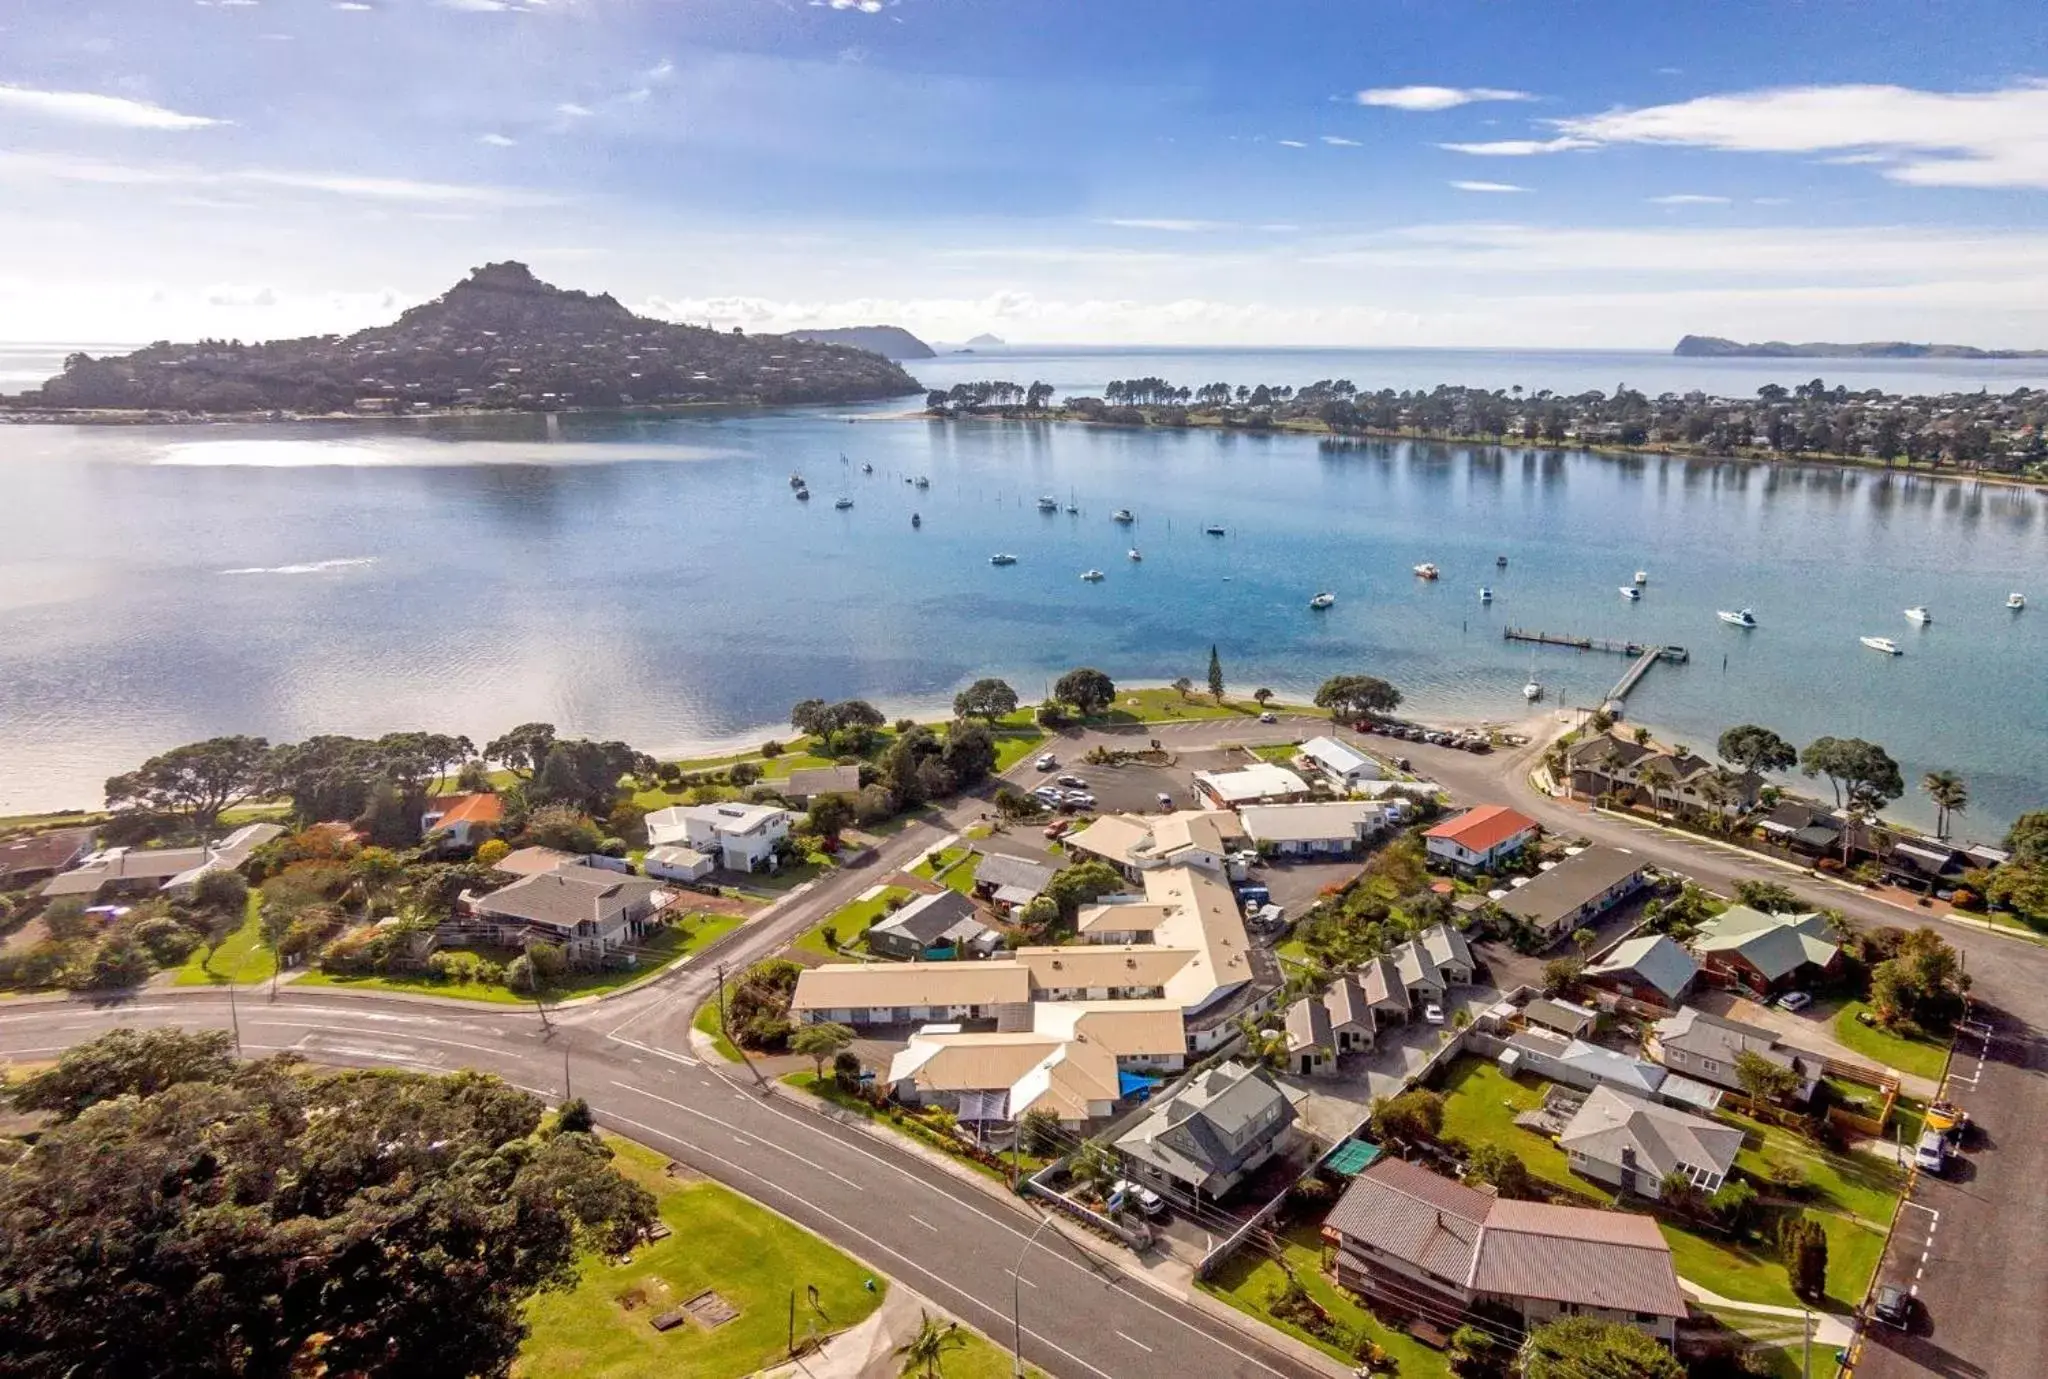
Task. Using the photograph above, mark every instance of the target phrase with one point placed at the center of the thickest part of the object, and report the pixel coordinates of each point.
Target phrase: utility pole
(1807, 1359)
(234, 1017)
(760, 1080)
(568, 1089)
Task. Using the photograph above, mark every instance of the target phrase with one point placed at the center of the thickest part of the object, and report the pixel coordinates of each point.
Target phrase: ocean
(654, 579)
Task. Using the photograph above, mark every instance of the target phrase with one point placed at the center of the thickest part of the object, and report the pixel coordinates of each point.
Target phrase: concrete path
(1829, 1328)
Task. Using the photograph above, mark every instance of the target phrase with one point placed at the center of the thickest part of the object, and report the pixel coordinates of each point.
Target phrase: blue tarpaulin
(1135, 1085)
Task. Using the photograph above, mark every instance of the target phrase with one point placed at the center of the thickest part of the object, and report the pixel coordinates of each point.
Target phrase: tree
(1184, 687)
(2027, 839)
(1415, 1116)
(1763, 1081)
(987, 699)
(1588, 1348)
(199, 781)
(829, 815)
(1471, 1353)
(574, 1117)
(1583, 939)
(1560, 975)
(1752, 747)
(1087, 689)
(1852, 765)
(492, 852)
(1038, 1131)
(1772, 897)
(1348, 695)
(1502, 1167)
(1081, 884)
(1264, 1046)
(264, 1220)
(1262, 696)
(523, 750)
(820, 1042)
(563, 827)
(923, 1353)
(1215, 674)
(969, 753)
(1806, 1256)
(1095, 1167)
(126, 1062)
(1950, 795)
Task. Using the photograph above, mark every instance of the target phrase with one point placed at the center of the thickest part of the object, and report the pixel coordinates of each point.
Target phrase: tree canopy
(523, 750)
(1753, 747)
(987, 698)
(1086, 688)
(190, 1217)
(1862, 770)
(198, 780)
(1345, 695)
(1587, 1348)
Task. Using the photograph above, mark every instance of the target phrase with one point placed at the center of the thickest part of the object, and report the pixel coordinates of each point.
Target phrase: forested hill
(1715, 347)
(500, 338)
(891, 342)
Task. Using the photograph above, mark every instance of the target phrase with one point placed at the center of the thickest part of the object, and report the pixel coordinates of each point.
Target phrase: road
(949, 1240)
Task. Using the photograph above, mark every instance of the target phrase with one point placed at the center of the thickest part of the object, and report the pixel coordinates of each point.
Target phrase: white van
(1931, 1155)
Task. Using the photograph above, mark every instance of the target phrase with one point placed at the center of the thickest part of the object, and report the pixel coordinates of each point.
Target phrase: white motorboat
(843, 504)
(1213, 529)
(1630, 592)
(2015, 600)
(1918, 613)
(1532, 691)
(1427, 571)
(867, 469)
(1133, 553)
(1740, 618)
(803, 495)
(1322, 600)
(1048, 505)
(1485, 594)
(1884, 644)
(1642, 576)
(1002, 559)
(1092, 576)
(1122, 515)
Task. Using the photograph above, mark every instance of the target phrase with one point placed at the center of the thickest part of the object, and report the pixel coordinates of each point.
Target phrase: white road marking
(649, 1048)
(728, 1125)
(922, 1222)
(1021, 1279)
(1136, 1342)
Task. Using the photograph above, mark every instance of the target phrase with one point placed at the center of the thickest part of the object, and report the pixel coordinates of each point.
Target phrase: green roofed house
(1651, 968)
(1766, 952)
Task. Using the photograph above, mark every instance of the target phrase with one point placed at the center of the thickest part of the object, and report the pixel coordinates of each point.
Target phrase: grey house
(1629, 1142)
(1705, 1047)
(931, 926)
(1212, 1133)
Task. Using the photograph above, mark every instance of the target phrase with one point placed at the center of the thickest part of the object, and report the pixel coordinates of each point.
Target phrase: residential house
(1766, 952)
(1652, 968)
(743, 837)
(1010, 883)
(1602, 764)
(1321, 1029)
(675, 862)
(1651, 777)
(1480, 839)
(1560, 1017)
(1577, 891)
(1342, 765)
(1262, 782)
(462, 821)
(942, 925)
(130, 871)
(589, 912)
(24, 861)
(1431, 963)
(1352, 1023)
(1340, 828)
(532, 861)
(1120, 919)
(1400, 1232)
(1919, 863)
(1137, 843)
(803, 786)
(1629, 1142)
(1805, 828)
(890, 993)
(1385, 993)
(1213, 1132)
(1576, 1063)
(1706, 1046)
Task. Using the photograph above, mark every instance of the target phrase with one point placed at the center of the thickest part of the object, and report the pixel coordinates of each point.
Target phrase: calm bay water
(655, 581)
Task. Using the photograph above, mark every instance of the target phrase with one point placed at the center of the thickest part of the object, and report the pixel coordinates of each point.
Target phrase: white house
(1262, 782)
(1333, 829)
(1344, 767)
(674, 862)
(1481, 838)
(741, 836)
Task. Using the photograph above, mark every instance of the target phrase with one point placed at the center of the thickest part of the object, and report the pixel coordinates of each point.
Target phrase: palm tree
(1950, 795)
(923, 1353)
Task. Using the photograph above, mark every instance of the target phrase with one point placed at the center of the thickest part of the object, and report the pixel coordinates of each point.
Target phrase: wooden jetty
(1644, 657)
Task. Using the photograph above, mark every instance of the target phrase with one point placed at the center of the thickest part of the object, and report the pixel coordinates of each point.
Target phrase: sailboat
(1533, 690)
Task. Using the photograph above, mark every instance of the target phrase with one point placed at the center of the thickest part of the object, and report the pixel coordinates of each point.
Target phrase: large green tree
(1347, 695)
(1754, 747)
(199, 780)
(1215, 675)
(986, 698)
(1587, 1348)
(1086, 688)
(264, 1220)
(1861, 771)
(523, 750)
(2027, 839)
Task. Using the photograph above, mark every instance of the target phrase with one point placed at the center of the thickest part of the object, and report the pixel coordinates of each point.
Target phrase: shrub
(771, 749)
(493, 852)
(117, 963)
(575, 1117)
(168, 942)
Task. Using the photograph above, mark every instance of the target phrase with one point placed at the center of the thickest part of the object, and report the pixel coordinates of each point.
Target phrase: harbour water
(655, 580)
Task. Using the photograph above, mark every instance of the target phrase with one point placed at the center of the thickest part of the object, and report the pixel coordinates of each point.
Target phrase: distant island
(1714, 347)
(891, 342)
(500, 339)
(986, 341)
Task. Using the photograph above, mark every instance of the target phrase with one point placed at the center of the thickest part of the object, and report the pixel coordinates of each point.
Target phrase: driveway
(1811, 1029)
(1334, 1107)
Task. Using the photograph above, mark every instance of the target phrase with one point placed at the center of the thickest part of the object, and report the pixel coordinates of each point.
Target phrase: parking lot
(1133, 788)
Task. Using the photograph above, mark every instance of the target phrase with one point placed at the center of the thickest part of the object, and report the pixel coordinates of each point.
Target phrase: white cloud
(238, 294)
(1850, 160)
(1292, 143)
(661, 71)
(1939, 139)
(1338, 141)
(497, 141)
(85, 107)
(1488, 187)
(1176, 226)
(863, 6)
(1522, 148)
(355, 6)
(1688, 199)
(64, 168)
(1427, 98)
(573, 110)
(474, 6)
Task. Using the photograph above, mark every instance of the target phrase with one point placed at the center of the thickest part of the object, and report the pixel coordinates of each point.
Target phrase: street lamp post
(1017, 1300)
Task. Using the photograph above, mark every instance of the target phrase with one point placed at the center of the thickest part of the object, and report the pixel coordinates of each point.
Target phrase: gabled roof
(1103, 964)
(1381, 981)
(1696, 1032)
(1656, 958)
(1308, 1026)
(1340, 820)
(1414, 1215)
(532, 861)
(1127, 916)
(859, 985)
(1607, 752)
(1776, 945)
(465, 809)
(1190, 1133)
(1482, 828)
(42, 851)
(1559, 892)
(1661, 1138)
(1259, 781)
(565, 897)
(999, 869)
(1446, 946)
(1347, 1004)
(930, 918)
(1416, 965)
(1338, 757)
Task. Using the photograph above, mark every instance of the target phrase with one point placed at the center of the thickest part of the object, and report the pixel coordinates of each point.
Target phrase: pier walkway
(1645, 657)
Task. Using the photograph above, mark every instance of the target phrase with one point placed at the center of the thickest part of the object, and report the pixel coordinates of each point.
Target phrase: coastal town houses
(803, 786)
(1577, 891)
(1335, 828)
(1262, 782)
(1343, 767)
(462, 821)
(1480, 839)
(1652, 969)
(591, 913)
(25, 861)
(933, 928)
(1137, 843)
(1211, 1133)
(135, 871)
(1767, 953)
(1010, 883)
(743, 837)
(1401, 1232)
(1072, 1060)
(1705, 1047)
(1321, 1029)
(1633, 1143)
(1604, 765)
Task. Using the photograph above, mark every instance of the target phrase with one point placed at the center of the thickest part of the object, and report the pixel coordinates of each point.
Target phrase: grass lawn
(1017, 737)
(849, 922)
(1854, 1183)
(241, 958)
(600, 1328)
(1480, 1106)
(1921, 1057)
(1247, 1279)
(955, 869)
(659, 949)
(1280, 752)
(1166, 706)
(707, 1022)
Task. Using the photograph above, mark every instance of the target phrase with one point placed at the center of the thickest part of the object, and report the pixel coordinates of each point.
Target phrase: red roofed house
(464, 821)
(1480, 839)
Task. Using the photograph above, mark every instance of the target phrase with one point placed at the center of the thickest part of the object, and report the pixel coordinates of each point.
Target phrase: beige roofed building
(1072, 972)
(1126, 922)
(1136, 843)
(858, 993)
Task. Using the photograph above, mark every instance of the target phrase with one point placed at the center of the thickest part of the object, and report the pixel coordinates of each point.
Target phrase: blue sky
(1457, 172)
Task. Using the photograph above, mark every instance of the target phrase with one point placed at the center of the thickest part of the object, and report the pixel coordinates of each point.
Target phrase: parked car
(1931, 1154)
(1058, 827)
(1123, 1192)
(1074, 781)
(1080, 799)
(1052, 794)
(1433, 1013)
(1269, 717)
(1479, 746)
(1165, 800)
(1795, 1000)
(1894, 1306)
(1048, 762)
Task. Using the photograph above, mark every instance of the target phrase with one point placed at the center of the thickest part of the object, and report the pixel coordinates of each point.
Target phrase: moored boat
(2015, 600)
(1630, 592)
(1213, 529)
(843, 504)
(867, 469)
(1740, 618)
(796, 480)
(1322, 600)
(1122, 515)
(916, 520)
(922, 482)
(1501, 561)
(1485, 594)
(1642, 576)
(1532, 691)
(803, 495)
(1133, 553)
(1884, 644)
(1048, 505)
(1002, 559)
(1918, 613)
(1427, 571)
(1092, 576)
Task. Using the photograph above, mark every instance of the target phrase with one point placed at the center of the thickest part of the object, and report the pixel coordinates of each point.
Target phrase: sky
(1604, 173)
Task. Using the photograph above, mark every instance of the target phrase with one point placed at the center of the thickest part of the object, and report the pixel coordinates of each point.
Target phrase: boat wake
(311, 567)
